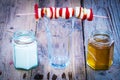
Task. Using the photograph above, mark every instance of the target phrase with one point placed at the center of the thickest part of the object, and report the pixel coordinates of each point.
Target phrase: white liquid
(25, 56)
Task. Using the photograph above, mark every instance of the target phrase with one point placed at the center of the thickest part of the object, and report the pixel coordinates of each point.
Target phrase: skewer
(31, 14)
(100, 16)
(25, 14)
(53, 12)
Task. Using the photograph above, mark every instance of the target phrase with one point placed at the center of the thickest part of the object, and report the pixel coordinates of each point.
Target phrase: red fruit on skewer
(66, 12)
(55, 13)
(67, 15)
(79, 13)
(42, 12)
(73, 12)
(84, 14)
(39, 12)
(51, 10)
(90, 15)
(60, 12)
(36, 11)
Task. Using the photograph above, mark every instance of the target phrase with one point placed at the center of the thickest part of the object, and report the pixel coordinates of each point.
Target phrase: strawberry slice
(84, 14)
(55, 13)
(60, 12)
(73, 12)
(90, 15)
(42, 12)
(67, 13)
(51, 10)
(36, 11)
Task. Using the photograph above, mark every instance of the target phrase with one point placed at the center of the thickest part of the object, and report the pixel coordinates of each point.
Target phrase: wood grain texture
(10, 23)
(76, 69)
(110, 9)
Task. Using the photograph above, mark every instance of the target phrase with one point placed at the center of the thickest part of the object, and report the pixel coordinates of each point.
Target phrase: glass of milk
(24, 50)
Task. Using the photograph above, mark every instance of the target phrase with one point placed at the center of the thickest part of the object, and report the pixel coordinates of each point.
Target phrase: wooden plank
(108, 8)
(76, 69)
(11, 23)
(43, 70)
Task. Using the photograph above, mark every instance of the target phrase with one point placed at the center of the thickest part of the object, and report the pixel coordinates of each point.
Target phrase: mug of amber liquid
(100, 50)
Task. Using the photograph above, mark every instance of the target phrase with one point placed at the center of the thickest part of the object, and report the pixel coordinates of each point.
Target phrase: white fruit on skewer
(85, 13)
(57, 12)
(39, 12)
(81, 13)
(63, 13)
(48, 13)
(77, 12)
(53, 9)
(88, 13)
(70, 12)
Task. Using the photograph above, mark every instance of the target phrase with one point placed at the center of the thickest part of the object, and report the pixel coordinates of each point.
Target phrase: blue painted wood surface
(78, 69)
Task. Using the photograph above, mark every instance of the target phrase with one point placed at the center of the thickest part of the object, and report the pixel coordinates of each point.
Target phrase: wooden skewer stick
(25, 14)
(30, 14)
(100, 16)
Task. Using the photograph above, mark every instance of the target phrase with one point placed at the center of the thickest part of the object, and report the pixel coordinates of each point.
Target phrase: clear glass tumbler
(59, 32)
(100, 50)
(24, 50)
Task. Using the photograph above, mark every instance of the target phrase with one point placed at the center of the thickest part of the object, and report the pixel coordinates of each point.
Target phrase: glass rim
(108, 33)
(18, 34)
(59, 21)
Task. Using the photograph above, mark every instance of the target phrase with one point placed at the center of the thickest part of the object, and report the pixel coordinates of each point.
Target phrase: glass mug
(25, 50)
(100, 50)
(58, 33)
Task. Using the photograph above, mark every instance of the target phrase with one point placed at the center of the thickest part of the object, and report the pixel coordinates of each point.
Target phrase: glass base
(59, 66)
(99, 67)
(60, 62)
(20, 68)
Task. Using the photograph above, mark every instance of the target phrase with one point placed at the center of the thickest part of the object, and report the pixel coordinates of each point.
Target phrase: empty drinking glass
(59, 32)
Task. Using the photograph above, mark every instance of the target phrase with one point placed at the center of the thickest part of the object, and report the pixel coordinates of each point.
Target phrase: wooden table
(78, 69)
